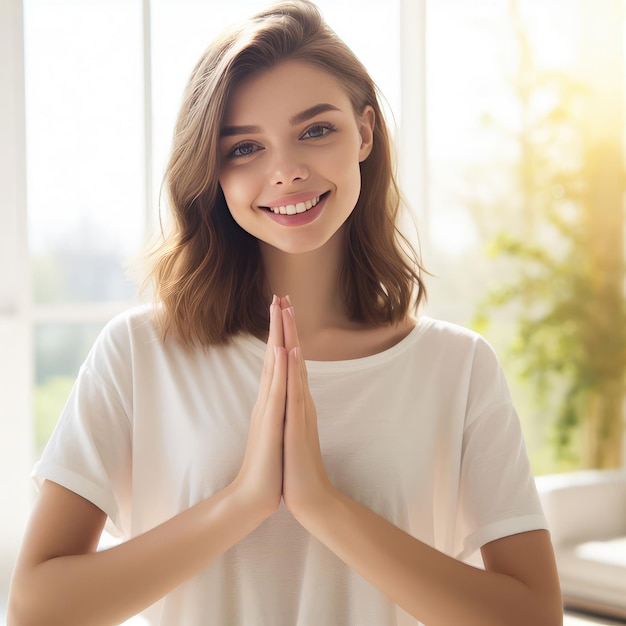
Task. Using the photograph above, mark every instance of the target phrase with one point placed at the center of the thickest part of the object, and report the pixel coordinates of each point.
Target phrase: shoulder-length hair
(207, 271)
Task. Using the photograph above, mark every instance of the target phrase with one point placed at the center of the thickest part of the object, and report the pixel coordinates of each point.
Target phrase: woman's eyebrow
(307, 114)
(298, 118)
(229, 131)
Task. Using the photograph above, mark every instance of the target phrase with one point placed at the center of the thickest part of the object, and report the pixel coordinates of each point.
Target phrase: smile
(294, 209)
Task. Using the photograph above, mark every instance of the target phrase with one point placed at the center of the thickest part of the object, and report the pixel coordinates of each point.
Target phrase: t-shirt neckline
(258, 347)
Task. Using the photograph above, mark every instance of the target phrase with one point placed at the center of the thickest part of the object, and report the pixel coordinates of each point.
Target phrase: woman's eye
(318, 131)
(243, 150)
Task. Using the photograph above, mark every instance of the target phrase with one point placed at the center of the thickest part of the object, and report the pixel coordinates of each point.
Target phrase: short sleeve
(89, 451)
(498, 496)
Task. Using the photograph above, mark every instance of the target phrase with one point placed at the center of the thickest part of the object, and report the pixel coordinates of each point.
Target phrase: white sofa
(586, 512)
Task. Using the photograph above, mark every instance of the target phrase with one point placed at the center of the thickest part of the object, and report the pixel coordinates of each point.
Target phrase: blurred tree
(566, 241)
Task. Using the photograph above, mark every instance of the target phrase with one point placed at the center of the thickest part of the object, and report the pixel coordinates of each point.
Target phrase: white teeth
(292, 209)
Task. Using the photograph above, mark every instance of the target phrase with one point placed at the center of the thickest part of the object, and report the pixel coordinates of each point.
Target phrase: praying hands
(283, 456)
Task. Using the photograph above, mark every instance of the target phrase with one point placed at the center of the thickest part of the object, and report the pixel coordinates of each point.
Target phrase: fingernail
(288, 300)
(275, 300)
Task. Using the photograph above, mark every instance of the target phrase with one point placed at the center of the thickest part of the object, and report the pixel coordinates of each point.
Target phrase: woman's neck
(326, 332)
(311, 280)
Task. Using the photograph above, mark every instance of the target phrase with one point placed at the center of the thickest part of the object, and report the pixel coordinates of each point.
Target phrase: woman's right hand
(261, 475)
(58, 562)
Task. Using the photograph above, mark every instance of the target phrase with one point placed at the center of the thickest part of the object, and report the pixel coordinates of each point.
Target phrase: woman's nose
(287, 168)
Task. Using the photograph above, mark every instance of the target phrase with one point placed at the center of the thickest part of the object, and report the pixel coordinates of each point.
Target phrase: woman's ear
(366, 122)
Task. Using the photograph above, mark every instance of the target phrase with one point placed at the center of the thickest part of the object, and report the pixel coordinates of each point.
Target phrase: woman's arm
(518, 587)
(60, 578)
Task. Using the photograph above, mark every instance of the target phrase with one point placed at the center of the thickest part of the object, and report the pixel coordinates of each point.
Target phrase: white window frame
(16, 360)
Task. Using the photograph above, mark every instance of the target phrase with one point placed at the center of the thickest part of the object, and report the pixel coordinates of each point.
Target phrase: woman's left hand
(305, 482)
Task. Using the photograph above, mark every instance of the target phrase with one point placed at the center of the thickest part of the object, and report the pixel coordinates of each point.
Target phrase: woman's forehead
(284, 90)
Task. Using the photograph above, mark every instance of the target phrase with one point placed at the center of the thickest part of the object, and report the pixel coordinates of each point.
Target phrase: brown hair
(207, 270)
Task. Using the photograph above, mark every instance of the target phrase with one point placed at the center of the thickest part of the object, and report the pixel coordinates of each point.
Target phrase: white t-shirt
(423, 433)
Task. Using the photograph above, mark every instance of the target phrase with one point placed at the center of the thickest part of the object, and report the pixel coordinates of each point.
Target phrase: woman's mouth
(298, 207)
(299, 213)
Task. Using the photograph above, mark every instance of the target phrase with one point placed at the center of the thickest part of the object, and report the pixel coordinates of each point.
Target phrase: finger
(309, 404)
(292, 339)
(290, 330)
(275, 409)
(304, 370)
(275, 339)
(295, 406)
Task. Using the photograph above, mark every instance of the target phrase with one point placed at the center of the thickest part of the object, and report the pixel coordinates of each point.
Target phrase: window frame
(16, 361)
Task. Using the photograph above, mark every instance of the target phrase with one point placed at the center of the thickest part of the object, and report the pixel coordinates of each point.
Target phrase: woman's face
(290, 147)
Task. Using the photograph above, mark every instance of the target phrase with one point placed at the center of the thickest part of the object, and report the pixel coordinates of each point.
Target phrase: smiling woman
(330, 455)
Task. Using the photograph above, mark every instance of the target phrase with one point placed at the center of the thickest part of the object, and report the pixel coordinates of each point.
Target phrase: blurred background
(509, 117)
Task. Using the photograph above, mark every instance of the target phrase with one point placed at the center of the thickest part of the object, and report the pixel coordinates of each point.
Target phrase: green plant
(566, 250)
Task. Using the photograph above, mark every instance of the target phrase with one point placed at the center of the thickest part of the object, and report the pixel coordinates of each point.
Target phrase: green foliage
(561, 242)
(571, 330)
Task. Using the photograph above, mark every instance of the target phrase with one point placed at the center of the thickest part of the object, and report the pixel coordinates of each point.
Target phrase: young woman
(323, 459)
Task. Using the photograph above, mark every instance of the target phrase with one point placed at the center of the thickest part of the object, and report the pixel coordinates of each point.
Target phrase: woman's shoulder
(443, 329)
(135, 321)
(121, 335)
(136, 334)
(439, 330)
(454, 347)
(452, 342)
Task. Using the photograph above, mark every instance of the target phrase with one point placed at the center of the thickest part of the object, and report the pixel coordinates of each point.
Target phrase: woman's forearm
(433, 587)
(107, 587)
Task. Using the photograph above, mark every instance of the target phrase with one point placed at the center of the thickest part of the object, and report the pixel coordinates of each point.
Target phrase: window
(85, 180)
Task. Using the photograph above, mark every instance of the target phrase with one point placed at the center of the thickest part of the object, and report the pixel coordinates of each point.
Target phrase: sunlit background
(517, 135)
